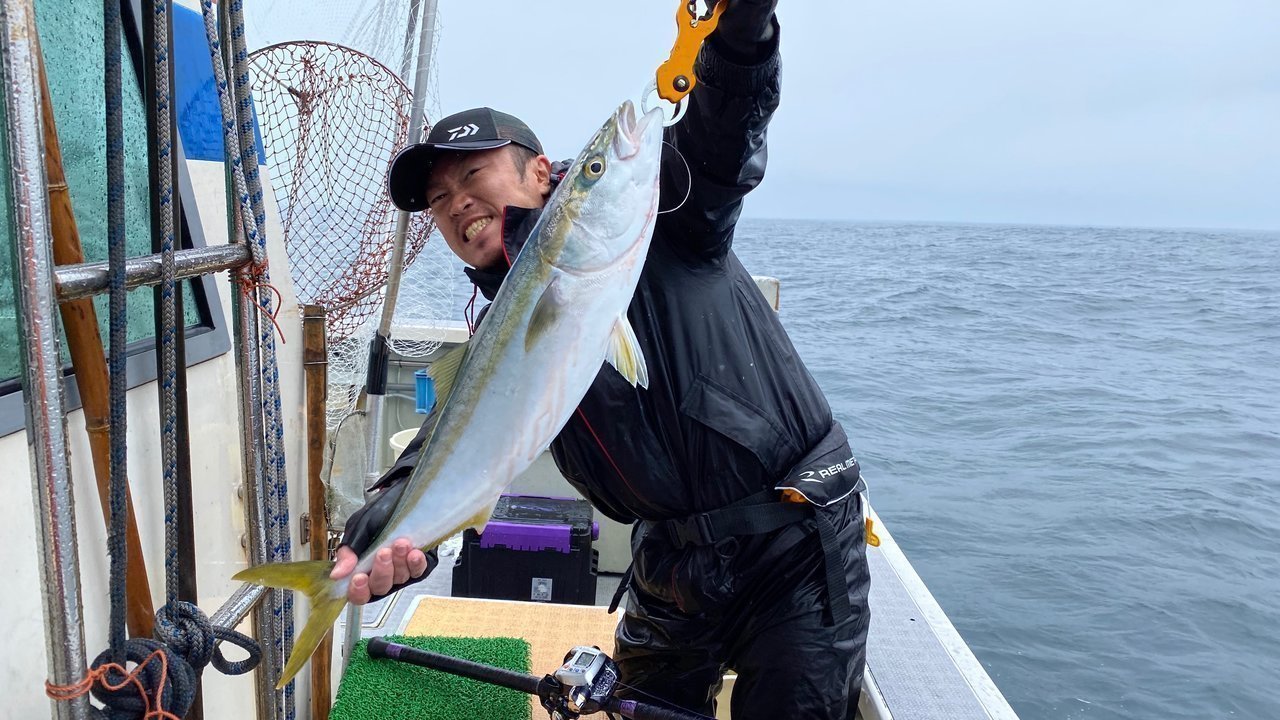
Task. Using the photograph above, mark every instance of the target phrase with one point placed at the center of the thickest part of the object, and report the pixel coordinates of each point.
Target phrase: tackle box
(533, 548)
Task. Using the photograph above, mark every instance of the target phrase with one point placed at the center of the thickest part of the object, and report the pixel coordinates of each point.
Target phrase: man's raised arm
(722, 135)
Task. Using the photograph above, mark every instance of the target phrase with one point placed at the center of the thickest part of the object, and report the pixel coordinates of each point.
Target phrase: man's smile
(476, 226)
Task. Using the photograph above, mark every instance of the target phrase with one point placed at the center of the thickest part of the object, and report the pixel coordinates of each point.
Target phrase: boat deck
(918, 666)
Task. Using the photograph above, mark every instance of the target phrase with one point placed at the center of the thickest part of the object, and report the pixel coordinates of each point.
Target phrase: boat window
(71, 39)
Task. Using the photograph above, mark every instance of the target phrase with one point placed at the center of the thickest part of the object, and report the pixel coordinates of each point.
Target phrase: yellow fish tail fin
(312, 579)
(309, 577)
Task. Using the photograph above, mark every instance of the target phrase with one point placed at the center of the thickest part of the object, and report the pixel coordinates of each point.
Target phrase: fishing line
(689, 187)
(662, 702)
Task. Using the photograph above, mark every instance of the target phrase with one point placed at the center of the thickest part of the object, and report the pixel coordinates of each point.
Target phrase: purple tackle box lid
(530, 535)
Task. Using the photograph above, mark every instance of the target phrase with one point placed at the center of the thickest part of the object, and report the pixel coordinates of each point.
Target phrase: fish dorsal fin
(444, 370)
(625, 355)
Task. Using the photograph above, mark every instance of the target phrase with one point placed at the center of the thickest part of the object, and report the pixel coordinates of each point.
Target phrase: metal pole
(86, 279)
(275, 500)
(237, 606)
(407, 56)
(248, 371)
(379, 347)
(241, 228)
(41, 363)
(375, 384)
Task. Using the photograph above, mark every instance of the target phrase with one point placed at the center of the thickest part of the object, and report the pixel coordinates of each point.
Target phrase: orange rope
(62, 693)
(250, 281)
(470, 312)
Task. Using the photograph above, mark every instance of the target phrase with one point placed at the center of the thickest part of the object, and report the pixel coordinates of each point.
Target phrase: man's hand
(392, 566)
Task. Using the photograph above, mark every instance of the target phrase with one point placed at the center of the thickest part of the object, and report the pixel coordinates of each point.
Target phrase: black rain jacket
(730, 413)
(730, 409)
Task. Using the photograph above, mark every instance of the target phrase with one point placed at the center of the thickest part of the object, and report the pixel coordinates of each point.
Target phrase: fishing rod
(583, 685)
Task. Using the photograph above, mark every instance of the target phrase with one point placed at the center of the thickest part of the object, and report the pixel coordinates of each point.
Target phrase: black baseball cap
(476, 129)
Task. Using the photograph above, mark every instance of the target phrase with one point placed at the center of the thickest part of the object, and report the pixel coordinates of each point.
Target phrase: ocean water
(1074, 433)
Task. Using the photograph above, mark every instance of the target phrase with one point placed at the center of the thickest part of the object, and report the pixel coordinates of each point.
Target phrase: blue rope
(168, 285)
(181, 625)
(277, 489)
(185, 637)
(277, 483)
(188, 642)
(184, 628)
(229, 141)
(237, 112)
(118, 321)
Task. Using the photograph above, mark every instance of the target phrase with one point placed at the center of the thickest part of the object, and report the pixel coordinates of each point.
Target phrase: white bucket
(401, 440)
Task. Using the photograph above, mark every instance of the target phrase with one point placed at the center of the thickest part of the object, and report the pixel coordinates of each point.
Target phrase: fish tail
(310, 577)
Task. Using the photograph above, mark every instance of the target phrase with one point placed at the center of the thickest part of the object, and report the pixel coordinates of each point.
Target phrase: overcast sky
(1143, 112)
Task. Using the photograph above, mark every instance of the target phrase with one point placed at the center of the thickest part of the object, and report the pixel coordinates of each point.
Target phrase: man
(725, 573)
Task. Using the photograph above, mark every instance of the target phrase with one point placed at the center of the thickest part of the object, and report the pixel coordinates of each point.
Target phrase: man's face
(469, 191)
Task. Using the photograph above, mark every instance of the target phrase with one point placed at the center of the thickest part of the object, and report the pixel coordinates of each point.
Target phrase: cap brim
(470, 145)
(407, 177)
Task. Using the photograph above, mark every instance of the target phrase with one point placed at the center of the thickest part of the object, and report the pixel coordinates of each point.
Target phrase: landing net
(332, 118)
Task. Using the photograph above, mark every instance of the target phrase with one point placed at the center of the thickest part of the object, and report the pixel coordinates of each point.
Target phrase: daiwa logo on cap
(463, 131)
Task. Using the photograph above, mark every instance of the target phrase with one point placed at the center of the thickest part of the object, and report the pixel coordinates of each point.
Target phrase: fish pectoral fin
(624, 353)
(544, 315)
(480, 520)
(444, 370)
(475, 522)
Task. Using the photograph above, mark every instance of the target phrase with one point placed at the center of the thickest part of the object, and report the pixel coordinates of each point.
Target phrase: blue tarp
(199, 114)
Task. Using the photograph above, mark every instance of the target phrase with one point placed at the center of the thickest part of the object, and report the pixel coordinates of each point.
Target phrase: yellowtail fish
(560, 313)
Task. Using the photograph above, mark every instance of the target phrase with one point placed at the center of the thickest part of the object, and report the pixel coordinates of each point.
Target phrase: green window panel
(71, 40)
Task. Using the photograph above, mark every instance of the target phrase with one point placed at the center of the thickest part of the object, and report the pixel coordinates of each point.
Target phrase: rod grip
(380, 648)
(379, 357)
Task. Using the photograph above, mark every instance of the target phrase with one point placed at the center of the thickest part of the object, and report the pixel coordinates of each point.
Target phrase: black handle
(380, 648)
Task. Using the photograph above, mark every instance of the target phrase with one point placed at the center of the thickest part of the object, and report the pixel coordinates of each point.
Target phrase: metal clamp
(675, 78)
(692, 530)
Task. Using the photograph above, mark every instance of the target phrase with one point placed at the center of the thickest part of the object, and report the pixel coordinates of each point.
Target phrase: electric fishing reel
(583, 685)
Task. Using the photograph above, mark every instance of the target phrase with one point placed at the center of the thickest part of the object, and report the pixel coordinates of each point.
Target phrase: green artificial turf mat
(388, 689)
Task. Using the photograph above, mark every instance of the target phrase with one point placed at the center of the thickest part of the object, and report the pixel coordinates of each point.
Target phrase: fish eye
(594, 168)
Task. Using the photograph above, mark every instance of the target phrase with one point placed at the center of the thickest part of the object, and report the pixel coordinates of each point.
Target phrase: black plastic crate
(533, 548)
